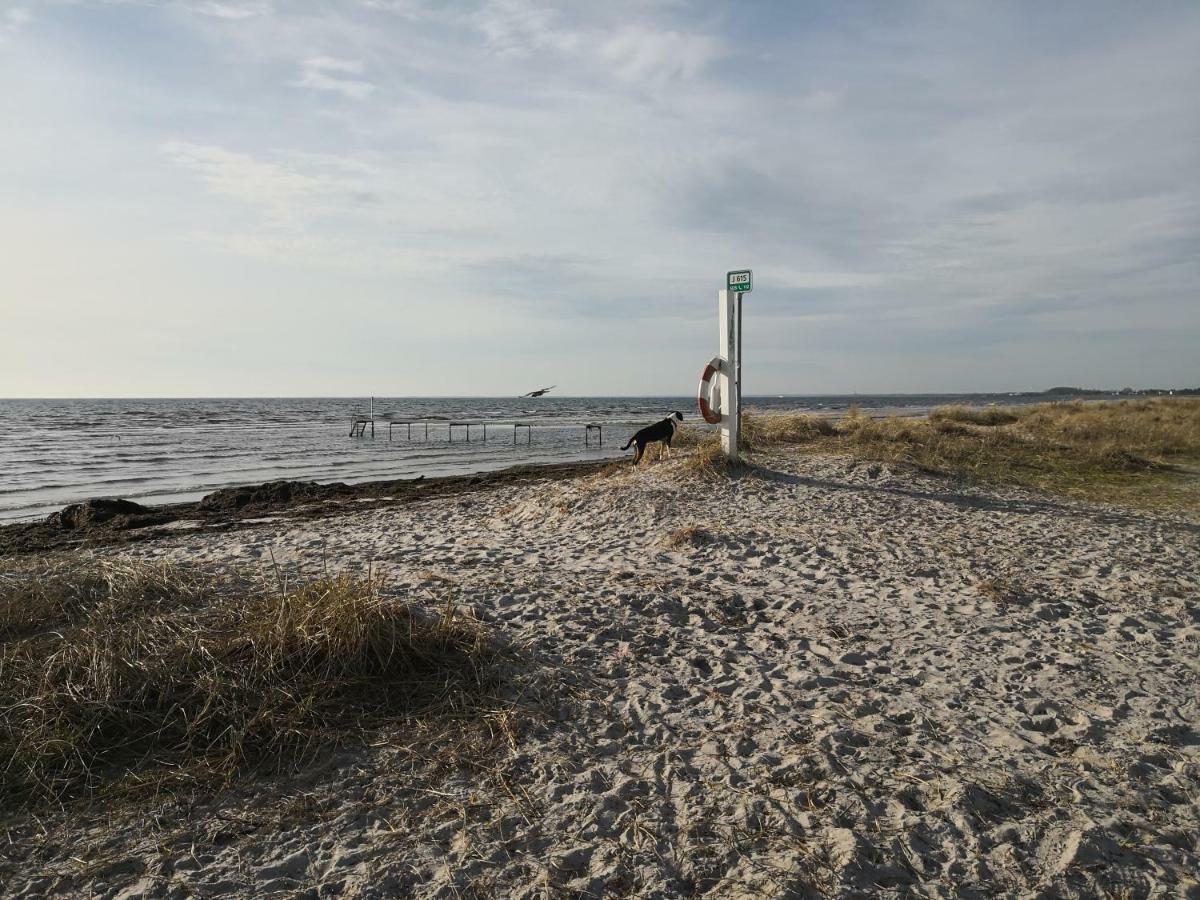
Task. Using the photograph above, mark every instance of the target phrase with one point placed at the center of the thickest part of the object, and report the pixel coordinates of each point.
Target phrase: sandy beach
(823, 678)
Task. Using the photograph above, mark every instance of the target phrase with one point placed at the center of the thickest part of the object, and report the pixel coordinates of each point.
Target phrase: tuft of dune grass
(110, 667)
(688, 536)
(988, 415)
(788, 428)
(688, 436)
(708, 460)
(758, 431)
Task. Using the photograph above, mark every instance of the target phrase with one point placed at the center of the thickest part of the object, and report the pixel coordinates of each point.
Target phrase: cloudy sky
(422, 197)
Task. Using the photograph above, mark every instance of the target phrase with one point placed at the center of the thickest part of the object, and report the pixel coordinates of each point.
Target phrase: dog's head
(678, 415)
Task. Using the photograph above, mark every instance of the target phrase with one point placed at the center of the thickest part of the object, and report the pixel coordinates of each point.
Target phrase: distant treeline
(1123, 392)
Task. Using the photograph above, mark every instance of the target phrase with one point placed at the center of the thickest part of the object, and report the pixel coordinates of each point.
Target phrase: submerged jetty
(360, 425)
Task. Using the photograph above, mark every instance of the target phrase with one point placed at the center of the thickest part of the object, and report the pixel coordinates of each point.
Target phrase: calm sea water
(54, 452)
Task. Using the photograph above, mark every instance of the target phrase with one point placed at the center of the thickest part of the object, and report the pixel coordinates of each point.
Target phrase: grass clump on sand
(988, 415)
(787, 428)
(688, 536)
(758, 432)
(688, 436)
(110, 668)
(708, 460)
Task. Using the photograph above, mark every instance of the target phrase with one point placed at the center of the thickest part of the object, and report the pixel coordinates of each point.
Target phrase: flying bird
(540, 391)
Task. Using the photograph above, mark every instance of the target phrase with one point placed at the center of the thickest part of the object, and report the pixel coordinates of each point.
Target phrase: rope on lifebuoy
(709, 393)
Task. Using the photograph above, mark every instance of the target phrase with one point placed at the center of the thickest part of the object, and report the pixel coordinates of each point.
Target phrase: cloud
(645, 52)
(289, 194)
(521, 27)
(243, 9)
(325, 73)
(642, 54)
(956, 184)
(13, 19)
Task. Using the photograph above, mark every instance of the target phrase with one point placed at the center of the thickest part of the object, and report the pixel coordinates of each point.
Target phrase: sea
(56, 452)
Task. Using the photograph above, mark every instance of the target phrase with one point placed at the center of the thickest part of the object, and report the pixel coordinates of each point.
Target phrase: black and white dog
(660, 431)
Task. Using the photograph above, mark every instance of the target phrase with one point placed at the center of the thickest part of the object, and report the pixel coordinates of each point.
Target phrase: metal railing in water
(359, 425)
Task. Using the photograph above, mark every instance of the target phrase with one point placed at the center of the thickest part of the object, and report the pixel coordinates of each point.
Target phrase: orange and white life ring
(709, 394)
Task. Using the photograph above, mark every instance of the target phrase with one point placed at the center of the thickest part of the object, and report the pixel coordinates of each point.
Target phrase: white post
(727, 302)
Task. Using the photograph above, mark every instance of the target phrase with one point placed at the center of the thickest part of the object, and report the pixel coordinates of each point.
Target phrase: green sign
(740, 282)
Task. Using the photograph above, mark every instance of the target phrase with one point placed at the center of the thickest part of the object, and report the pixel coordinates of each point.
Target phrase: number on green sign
(739, 281)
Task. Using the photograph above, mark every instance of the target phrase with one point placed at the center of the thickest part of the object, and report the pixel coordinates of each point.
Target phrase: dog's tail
(627, 446)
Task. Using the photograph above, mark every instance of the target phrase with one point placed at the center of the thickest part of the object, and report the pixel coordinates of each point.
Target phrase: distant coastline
(1123, 392)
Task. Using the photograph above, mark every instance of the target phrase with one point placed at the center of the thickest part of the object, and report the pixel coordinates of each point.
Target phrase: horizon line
(766, 395)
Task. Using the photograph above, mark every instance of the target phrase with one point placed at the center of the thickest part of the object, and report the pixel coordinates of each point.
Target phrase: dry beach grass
(115, 669)
(1145, 452)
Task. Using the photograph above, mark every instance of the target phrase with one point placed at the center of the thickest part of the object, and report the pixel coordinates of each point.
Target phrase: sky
(426, 197)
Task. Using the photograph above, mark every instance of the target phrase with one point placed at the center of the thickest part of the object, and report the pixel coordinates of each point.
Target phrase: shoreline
(220, 511)
(165, 453)
(125, 521)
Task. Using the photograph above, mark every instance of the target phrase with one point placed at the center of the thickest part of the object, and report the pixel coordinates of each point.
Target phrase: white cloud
(643, 54)
(325, 73)
(285, 195)
(243, 9)
(520, 27)
(13, 19)
(413, 10)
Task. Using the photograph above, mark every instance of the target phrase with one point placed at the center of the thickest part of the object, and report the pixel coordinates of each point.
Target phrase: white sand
(824, 698)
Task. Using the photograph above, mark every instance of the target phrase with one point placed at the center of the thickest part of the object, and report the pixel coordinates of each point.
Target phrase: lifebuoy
(709, 389)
